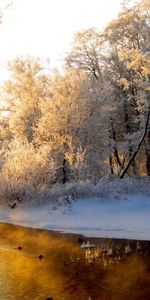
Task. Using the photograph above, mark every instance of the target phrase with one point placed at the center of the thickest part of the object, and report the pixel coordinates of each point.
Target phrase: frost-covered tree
(26, 166)
(127, 59)
(23, 91)
(86, 52)
(119, 58)
(72, 120)
(89, 121)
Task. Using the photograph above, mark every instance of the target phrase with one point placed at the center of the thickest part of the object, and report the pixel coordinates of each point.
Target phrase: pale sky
(45, 28)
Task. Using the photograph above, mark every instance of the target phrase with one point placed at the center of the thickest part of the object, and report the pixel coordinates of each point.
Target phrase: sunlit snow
(127, 218)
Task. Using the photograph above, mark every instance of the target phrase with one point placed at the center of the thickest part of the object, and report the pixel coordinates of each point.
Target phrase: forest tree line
(88, 121)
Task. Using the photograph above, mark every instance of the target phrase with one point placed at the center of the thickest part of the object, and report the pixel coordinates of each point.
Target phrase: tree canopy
(90, 121)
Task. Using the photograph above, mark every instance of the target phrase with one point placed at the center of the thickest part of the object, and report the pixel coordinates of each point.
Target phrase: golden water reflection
(36, 264)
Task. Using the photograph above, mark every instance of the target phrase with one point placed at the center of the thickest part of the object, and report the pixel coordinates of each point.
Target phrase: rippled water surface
(63, 270)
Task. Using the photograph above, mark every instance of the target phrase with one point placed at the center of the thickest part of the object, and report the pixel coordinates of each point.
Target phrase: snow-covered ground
(126, 218)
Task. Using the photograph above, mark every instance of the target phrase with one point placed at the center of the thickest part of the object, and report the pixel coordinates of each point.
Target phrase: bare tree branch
(139, 146)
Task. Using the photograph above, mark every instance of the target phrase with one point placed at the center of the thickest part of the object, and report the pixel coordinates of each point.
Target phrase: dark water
(65, 271)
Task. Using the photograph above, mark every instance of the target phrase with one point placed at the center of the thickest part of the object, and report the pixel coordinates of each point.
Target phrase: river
(40, 265)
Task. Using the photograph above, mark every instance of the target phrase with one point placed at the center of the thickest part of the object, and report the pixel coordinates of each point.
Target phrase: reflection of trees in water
(111, 253)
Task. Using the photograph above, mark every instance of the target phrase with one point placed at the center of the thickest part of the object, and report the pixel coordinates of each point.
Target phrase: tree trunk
(64, 179)
(111, 165)
(138, 148)
(147, 152)
(115, 150)
(129, 130)
(148, 165)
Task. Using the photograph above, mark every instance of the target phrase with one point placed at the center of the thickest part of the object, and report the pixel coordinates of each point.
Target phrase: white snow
(127, 218)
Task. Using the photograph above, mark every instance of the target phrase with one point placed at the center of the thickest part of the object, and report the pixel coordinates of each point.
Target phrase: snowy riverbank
(127, 218)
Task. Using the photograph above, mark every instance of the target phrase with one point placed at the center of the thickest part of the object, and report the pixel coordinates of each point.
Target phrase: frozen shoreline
(128, 218)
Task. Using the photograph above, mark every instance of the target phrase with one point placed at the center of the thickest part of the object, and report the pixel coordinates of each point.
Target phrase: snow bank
(106, 188)
(126, 218)
(114, 188)
(111, 208)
